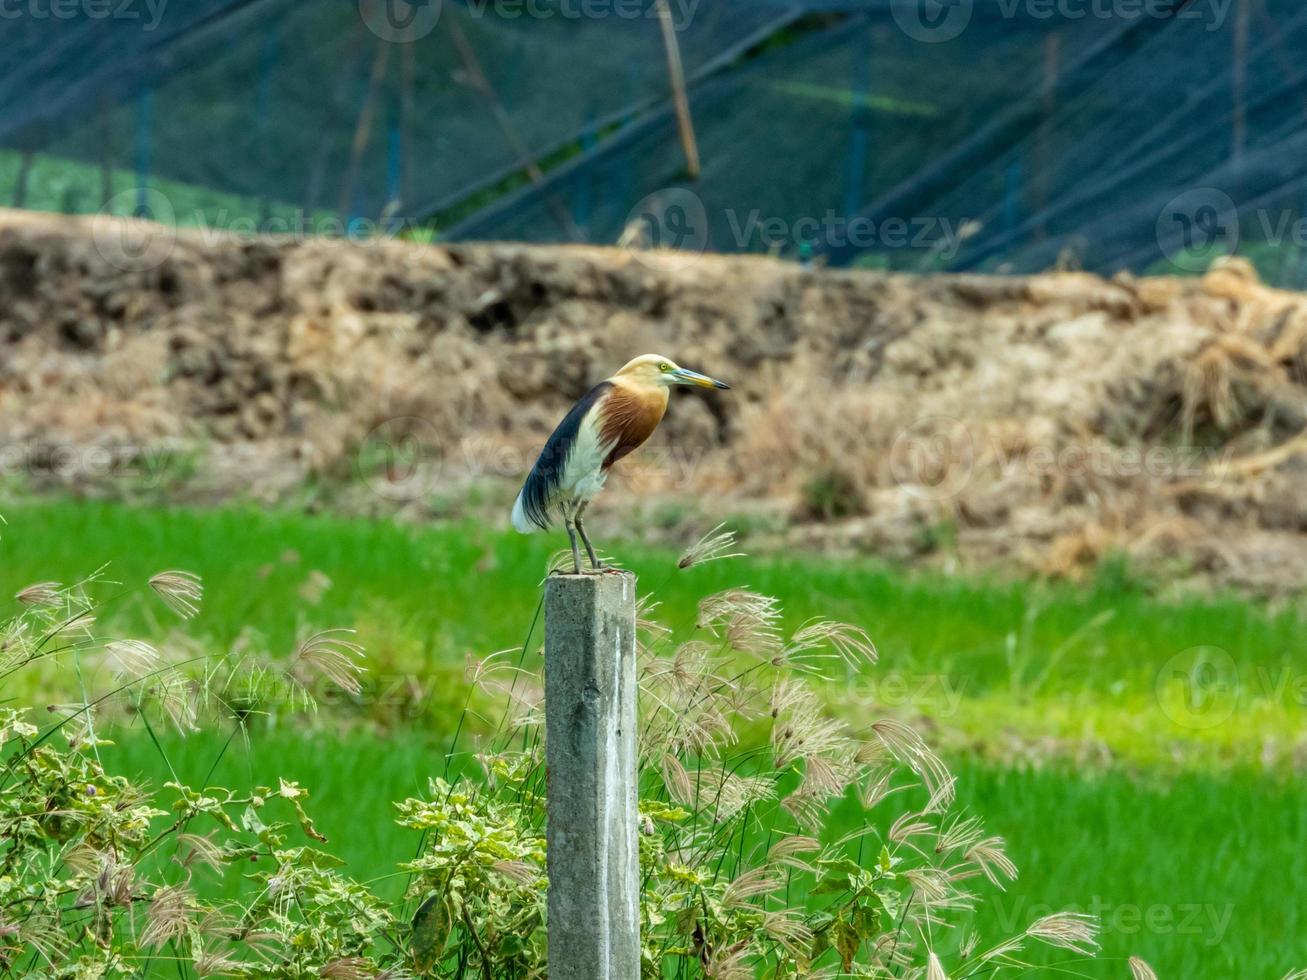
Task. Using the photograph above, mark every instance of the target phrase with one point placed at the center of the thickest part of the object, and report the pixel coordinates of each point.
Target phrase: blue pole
(1012, 198)
(855, 167)
(263, 107)
(144, 124)
(394, 160)
(584, 195)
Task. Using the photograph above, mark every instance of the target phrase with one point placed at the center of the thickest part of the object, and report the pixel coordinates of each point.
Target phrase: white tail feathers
(520, 521)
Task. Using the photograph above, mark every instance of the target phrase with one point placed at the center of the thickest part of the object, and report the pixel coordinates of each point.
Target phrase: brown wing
(629, 417)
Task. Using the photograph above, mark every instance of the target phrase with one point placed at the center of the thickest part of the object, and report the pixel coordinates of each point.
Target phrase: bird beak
(684, 377)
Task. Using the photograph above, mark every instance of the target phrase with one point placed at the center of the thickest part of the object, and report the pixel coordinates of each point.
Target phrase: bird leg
(595, 563)
(571, 534)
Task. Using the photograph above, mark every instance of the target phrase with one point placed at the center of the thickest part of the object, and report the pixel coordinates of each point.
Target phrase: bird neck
(650, 394)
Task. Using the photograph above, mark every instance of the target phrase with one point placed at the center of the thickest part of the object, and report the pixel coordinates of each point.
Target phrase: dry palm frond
(1006, 948)
(933, 886)
(41, 934)
(800, 727)
(713, 546)
(959, 834)
(807, 809)
(1067, 930)
(909, 826)
(200, 849)
(827, 776)
(730, 964)
(130, 658)
(348, 968)
(168, 917)
(180, 701)
(850, 643)
(879, 787)
(644, 621)
(180, 591)
(84, 860)
(991, 858)
(790, 931)
(329, 654)
(729, 793)
(40, 594)
(1139, 970)
(677, 780)
(746, 620)
(786, 852)
(79, 622)
(518, 872)
(941, 796)
(750, 885)
(114, 883)
(908, 747)
(218, 962)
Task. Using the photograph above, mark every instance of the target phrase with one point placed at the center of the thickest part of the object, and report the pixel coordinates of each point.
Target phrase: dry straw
(180, 591)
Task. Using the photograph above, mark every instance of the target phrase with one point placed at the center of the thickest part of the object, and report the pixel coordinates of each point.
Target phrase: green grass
(991, 661)
(1045, 696)
(1199, 873)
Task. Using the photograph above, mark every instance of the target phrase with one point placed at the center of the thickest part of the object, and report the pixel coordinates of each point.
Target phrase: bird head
(654, 369)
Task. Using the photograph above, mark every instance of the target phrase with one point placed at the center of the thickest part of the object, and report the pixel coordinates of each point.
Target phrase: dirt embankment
(1047, 420)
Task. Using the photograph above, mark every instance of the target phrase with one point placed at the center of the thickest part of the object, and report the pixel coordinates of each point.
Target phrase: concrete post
(590, 722)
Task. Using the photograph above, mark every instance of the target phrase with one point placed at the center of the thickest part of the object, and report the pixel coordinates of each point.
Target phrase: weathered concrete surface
(590, 725)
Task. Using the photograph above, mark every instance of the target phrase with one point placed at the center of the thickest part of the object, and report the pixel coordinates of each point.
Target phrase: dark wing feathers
(548, 470)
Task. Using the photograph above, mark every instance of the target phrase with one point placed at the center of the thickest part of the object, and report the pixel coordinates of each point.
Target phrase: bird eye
(664, 367)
